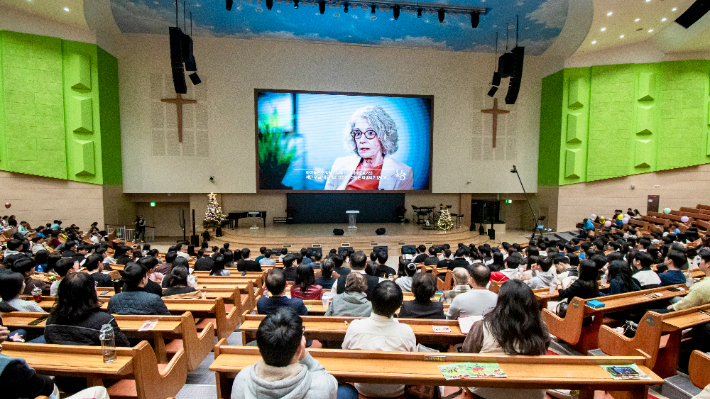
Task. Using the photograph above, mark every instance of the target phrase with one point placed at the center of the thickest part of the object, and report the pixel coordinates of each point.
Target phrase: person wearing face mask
(372, 135)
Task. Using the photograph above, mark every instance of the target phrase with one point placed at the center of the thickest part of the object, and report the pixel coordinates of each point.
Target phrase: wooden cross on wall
(495, 111)
(179, 101)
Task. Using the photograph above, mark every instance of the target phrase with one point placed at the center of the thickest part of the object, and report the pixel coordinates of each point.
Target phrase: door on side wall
(652, 205)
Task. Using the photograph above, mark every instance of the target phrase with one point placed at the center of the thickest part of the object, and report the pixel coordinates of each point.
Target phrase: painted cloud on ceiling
(541, 21)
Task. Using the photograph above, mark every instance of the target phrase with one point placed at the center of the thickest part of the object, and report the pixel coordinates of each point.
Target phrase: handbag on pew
(629, 328)
(561, 309)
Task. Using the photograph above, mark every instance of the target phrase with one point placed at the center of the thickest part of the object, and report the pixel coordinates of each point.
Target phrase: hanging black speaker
(693, 13)
(176, 47)
(179, 80)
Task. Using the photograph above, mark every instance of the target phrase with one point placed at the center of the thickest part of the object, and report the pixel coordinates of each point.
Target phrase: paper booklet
(458, 371)
(465, 322)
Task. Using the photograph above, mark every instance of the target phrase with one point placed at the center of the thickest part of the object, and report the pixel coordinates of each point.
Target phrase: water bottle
(39, 268)
(604, 278)
(689, 279)
(117, 286)
(108, 343)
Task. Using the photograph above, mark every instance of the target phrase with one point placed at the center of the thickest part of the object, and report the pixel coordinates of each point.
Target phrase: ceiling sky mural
(541, 21)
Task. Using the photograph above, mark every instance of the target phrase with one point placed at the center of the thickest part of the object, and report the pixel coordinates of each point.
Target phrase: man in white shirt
(381, 332)
(647, 277)
(479, 300)
(180, 252)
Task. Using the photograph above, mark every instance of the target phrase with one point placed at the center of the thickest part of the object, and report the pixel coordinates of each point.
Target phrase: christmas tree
(213, 216)
(445, 223)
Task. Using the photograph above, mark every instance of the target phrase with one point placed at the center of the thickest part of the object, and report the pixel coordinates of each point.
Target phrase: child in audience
(63, 268)
(11, 286)
(514, 327)
(423, 287)
(77, 318)
(304, 285)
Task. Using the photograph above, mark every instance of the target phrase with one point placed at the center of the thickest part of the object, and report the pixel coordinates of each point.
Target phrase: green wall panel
(54, 117)
(619, 120)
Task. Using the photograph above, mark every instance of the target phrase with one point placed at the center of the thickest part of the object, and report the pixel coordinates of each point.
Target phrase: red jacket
(498, 276)
(313, 292)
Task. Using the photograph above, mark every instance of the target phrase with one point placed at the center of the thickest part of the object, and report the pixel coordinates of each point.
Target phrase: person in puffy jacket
(286, 369)
(77, 318)
(134, 300)
(353, 302)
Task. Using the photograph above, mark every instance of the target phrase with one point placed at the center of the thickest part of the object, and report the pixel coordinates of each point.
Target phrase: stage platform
(361, 239)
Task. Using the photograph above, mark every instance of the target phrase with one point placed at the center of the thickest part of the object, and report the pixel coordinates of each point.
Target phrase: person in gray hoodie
(544, 277)
(286, 369)
(353, 302)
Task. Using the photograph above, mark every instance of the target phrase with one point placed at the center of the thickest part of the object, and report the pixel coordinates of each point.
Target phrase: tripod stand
(536, 221)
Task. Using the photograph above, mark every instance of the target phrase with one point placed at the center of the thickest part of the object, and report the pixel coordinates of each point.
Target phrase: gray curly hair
(380, 122)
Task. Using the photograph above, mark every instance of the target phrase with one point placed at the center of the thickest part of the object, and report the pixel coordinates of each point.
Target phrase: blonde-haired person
(461, 286)
(372, 135)
(353, 302)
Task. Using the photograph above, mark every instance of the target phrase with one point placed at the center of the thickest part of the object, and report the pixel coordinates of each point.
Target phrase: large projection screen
(315, 141)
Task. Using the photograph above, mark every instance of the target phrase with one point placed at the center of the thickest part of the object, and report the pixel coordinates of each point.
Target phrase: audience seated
(266, 259)
(12, 284)
(150, 264)
(177, 282)
(286, 369)
(645, 275)
(135, 300)
(460, 259)
(63, 267)
(380, 332)
(421, 255)
(304, 286)
(432, 259)
(276, 285)
(203, 263)
(461, 286)
(326, 279)
(218, 267)
(357, 263)
(405, 282)
(675, 261)
(77, 318)
(247, 265)
(479, 300)
(165, 267)
(422, 307)
(620, 280)
(446, 262)
(699, 293)
(513, 327)
(289, 267)
(353, 302)
(94, 267)
(26, 267)
(340, 268)
(545, 277)
(585, 286)
(380, 269)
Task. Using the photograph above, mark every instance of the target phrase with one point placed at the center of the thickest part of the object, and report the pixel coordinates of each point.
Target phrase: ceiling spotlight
(609, 14)
(664, 19)
(269, 4)
(395, 12)
(594, 42)
(442, 15)
(650, 30)
(621, 37)
(346, 8)
(637, 19)
(321, 7)
(419, 12)
(230, 3)
(373, 8)
(675, 9)
(295, 4)
(603, 29)
(66, 9)
(474, 20)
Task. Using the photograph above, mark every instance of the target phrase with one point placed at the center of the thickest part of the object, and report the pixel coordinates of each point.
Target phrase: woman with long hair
(586, 285)
(620, 280)
(513, 327)
(326, 279)
(77, 318)
(304, 286)
(218, 267)
(177, 282)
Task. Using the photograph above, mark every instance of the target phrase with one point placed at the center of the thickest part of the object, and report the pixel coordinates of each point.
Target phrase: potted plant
(290, 212)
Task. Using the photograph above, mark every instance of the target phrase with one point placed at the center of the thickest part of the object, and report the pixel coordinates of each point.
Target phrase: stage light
(321, 7)
(475, 17)
(395, 12)
(442, 15)
(419, 12)
(492, 91)
(295, 4)
(373, 8)
(514, 170)
(269, 4)
(230, 3)
(346, 8)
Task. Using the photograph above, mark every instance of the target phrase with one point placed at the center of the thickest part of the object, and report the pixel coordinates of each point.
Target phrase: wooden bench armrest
(569, 328)
(699, 369)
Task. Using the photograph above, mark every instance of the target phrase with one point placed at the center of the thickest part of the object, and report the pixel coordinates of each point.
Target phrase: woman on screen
(372, 135)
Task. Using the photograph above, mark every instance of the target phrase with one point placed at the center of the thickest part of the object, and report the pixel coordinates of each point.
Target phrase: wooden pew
(136, 368)
(699, 369)
(584, 338)
(538, 372)
(658, 336)
(665, 223)
(334, 328)
(180, 329)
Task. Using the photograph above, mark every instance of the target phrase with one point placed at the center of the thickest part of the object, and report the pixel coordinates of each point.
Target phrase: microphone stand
(535, 229)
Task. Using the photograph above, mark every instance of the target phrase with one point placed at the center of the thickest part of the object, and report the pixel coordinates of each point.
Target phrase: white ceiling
(53, 10)
(637, 21)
